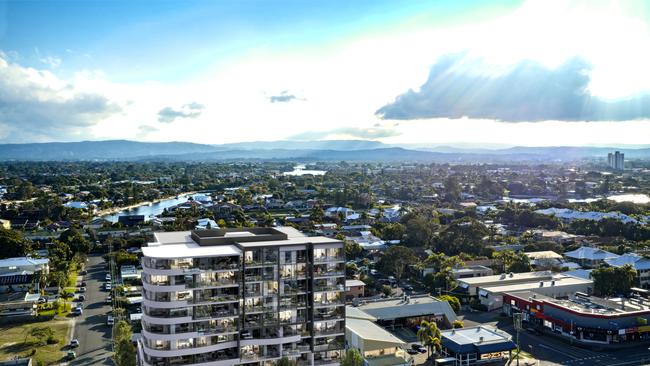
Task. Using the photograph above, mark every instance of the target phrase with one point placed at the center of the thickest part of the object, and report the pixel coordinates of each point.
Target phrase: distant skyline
(514, 73)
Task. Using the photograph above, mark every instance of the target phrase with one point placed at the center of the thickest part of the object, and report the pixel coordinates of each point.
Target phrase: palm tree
(429, 335)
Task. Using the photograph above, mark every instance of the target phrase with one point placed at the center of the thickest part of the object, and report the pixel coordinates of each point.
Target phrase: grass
(58, 307)
(15, 340)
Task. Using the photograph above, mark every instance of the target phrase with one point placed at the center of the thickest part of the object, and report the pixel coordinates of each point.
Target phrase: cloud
(282, 97)
(144, 130)
(347, 132)
(35, 105)
(190, 110)
(527, 91)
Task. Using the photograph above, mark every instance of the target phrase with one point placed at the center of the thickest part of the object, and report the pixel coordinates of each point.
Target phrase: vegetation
(352, 357)
(284, 361)
(430, 336)
(124, 349)
(613, 280)
(458, 324)
(41, 341)
(453, 301)
(396, 259)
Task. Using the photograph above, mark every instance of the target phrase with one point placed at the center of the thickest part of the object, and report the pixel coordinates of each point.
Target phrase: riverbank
(116, 210)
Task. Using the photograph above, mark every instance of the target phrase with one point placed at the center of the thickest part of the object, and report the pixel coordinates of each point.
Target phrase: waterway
(149, 209)
(634, 198)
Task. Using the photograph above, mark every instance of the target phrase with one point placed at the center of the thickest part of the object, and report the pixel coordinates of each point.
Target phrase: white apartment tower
(242, 297)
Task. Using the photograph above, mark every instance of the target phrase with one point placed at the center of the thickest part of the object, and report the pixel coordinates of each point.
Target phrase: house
(559, 237)
(475, 345)
(344, 212)
(224, 210)
(206, 224)
(354, 289)
(589, 257)
(544, 258)
(471, 271)
(640, 263)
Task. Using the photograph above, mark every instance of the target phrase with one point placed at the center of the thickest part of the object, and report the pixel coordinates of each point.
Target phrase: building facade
(242, 296)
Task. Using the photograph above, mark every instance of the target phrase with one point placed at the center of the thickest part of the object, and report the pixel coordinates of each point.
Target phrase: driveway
(90, 328)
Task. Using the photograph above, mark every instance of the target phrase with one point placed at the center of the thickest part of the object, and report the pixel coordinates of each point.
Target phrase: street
(552, 351)
(90, 328)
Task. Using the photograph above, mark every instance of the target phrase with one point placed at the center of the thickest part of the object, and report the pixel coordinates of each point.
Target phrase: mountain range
(329, 150)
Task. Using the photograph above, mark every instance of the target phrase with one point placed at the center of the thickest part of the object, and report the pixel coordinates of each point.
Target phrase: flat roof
(507, 277)
(591, 304)
(349, 283)
(482, 339)
(557, 281)
(543, 254)
(189, 250)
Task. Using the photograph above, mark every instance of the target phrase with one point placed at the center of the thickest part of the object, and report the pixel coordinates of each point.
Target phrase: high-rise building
(616, 160)
(242, 296)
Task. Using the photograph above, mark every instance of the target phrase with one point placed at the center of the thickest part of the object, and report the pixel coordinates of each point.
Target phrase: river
(299, 170)
(149, 210)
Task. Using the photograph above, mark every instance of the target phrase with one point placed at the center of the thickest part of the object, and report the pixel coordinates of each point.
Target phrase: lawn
(16, 340)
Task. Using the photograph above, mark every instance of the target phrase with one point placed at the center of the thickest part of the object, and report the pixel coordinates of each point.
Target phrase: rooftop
(592, 304)
(396, 308)
(225, 242)
(509, 277)
(590, 253)
(556, 281)
(544, 254)
(22, 261)
(482, 339)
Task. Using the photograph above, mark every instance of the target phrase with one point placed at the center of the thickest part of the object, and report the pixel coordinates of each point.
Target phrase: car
(108, 286)
(77, 311)
(82, 272)
(374, 272)
(411, 351)
(81, 289)
(42, 300)
(108, 277)
(418, 347)
(83, 283)
(71, 355)
(81, 298)
(80, 305)
(407, 287)
(74, 343)
(109, 299)
(110, 320)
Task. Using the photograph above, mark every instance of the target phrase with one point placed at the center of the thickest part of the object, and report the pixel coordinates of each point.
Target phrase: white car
(109, 299)
(74, 343)
(108, 286)
(108, 277)
(110, 320)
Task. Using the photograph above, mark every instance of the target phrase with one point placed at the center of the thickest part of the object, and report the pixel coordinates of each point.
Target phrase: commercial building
(21, 274)
(471, 271)
(377, 346)
(409, 311)
(242, 296)
(475, 345)
(490, 290)
(582, 318)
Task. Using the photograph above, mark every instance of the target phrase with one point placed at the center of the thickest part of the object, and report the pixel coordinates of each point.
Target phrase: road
(552, 351)
(90, 328)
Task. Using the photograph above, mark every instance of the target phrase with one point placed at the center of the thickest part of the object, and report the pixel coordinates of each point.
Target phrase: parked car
(412, 351)
(74, 343)
(71, 355)
(77, 311)
(83, 283)
(81, 298)
(110, 320)
(108, 286)
(418, 347)
(81, 289)
(108, 277)
(534, 331)
(82, 272)
(109, 299)
(42, 300)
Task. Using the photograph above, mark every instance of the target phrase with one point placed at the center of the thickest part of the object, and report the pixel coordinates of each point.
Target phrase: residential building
(616, 160)
(544, 259)
(471, 271)
(354, 289)
(589, 257)
(242, 296)
(131, 220)
(475, 345)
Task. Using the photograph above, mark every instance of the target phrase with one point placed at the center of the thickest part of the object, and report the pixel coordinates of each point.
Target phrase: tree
(396, 259)
(352, 249)
(513, 262)
(317, 214)
(42, 334)
(452, 300)
(76, 241)
(352, 357)
(13, 244)
(387, 290)
(613, 280)
(429, 335)
(458, 324)
(124, 349)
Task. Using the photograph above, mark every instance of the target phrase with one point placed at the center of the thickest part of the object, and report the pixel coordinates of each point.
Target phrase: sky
(497, 73)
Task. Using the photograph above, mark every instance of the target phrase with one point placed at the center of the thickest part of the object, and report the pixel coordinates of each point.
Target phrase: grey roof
(417, 306)
(636, 261)
(482, 339)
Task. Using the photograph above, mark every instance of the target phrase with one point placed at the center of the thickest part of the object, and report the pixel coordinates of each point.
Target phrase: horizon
(512, 73)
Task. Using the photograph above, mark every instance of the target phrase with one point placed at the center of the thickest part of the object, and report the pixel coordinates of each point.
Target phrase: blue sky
(416, 72)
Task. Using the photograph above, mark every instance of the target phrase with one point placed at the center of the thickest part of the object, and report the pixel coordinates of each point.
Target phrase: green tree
(42, 334)
(284, 361)
(352, 250)
(76, 241)
(458, 324)
(387, 290)
(13, 244)
(352, 357)
(452, 300)
(317, 214)
(124, 349)
(396, 259)
(430, 336)
(613, 280)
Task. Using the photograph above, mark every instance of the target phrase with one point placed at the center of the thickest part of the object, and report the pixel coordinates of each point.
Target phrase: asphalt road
(90, 328)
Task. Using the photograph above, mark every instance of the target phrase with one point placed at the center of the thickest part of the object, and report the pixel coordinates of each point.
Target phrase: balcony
(327, 259)
(329, 273)
(215, 283)
(252, 356)
(215, 314)
(330, 346)
(216, 298)
(329, 288)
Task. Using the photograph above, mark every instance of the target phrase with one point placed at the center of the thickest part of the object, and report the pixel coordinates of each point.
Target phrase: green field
(16, 340)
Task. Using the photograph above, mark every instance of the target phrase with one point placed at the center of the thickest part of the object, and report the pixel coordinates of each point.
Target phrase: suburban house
(354, 289)
(640, 263)
(589, 257)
